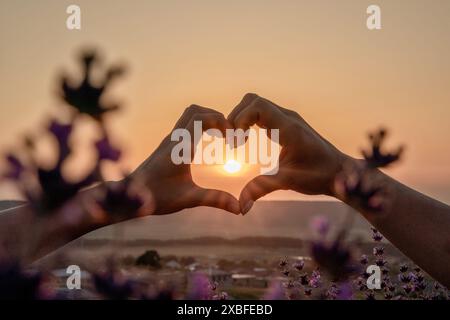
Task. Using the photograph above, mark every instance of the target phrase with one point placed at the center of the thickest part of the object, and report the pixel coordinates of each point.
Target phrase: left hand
(171, 185)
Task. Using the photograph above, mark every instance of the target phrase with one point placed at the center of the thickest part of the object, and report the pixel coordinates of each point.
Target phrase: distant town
(244, 268)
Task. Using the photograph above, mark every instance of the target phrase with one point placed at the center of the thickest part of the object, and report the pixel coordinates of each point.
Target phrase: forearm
(27, 236)
(416, 224)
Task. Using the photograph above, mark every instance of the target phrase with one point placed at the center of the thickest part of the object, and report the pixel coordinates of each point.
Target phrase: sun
(232, 166)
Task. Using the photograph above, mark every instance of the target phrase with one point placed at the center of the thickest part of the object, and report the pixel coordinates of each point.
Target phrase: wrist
(354, 183)
(343, 162)
(87, 212)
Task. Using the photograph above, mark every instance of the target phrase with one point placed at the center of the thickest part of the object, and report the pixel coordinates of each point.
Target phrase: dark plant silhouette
(16, 284)
(86, 97)
(52, 190)
(356, 182)
(334, 257)
(113, 286)
(375, 157)
(333, 273)
(120, 201)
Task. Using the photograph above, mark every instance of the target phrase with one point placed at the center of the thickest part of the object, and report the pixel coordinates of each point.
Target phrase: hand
(171, 185)
(308, 163)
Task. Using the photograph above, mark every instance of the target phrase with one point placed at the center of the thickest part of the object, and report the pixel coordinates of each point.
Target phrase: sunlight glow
(232, 166)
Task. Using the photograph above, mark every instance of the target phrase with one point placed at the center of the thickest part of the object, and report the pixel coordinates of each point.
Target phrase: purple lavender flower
(419, 286)
(316, 274)
(332, 292)
(403, 268)
(283, 263)
(334, 258)
(354, 181)
(304, 279)
(405, 278)
(86, 97)
(294, 295)
(314, 281)
(385, 281)
(375, 157)
(15, 168)
(106, 151)
(56, 190)
(299, 265)
(437, 286)
(354, 187)
(15, 284)
(418, 277)
(113, 286)
(62, 133)
(364, 259)
(199, 287)
(345, 291)
(213, 285)
(407, 288)
(289, 285)
(376, 235)
(380, 262)
(119, 201)
(360, 283)
(285, 273)
(370, 295)
(378, 251)
(53, 190)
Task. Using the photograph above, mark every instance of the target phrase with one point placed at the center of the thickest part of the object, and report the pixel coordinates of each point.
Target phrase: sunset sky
(315, 57)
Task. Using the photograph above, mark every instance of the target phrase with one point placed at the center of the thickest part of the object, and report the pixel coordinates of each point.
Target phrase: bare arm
(415, 223)
(26, 236)
(418, 225)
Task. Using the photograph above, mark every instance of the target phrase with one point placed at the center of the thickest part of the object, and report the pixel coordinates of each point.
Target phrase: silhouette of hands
(308, 163)
(171, 185)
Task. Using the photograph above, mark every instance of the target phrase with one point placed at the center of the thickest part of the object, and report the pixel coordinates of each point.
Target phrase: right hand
(308, 163)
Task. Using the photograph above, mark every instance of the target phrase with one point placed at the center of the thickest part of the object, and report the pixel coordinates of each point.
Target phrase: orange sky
(316, 57)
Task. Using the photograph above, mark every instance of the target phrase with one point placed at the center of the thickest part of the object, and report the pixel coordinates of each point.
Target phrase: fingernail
(247, 206)
(234, 207)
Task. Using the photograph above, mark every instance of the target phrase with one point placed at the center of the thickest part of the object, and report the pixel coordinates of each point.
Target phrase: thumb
(257, 188)
(217, 199)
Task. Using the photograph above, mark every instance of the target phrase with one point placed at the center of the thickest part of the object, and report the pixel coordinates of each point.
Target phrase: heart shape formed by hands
(307, 162)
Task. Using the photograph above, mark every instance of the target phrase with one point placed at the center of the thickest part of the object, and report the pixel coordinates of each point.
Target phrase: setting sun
(232, 166)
